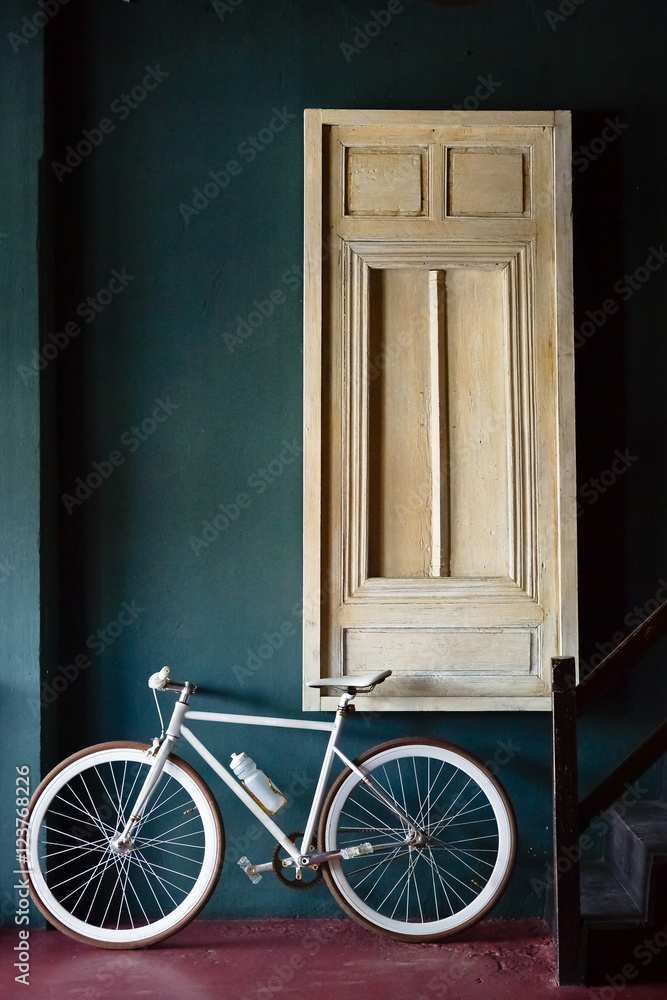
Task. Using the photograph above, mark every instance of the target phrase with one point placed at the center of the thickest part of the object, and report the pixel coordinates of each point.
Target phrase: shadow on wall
(599, 323)
(66, 72)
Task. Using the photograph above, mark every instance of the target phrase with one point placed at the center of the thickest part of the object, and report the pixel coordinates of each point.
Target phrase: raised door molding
(439, 481)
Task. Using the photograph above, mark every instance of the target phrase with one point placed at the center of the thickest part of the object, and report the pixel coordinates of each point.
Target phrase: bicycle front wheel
(89, 890)
(425, 886)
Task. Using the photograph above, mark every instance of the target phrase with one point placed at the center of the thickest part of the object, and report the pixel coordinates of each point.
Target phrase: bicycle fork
(124, 842)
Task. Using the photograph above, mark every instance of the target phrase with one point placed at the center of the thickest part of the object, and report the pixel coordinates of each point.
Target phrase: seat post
(345, 699)
(320, 791)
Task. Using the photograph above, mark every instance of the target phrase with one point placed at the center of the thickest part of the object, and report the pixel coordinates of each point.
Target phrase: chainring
(309, 877)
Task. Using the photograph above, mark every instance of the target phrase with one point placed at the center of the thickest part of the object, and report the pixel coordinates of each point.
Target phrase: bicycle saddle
(353, 683)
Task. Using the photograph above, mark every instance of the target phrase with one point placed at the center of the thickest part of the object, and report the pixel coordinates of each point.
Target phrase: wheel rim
(126, 898)
(451, 879)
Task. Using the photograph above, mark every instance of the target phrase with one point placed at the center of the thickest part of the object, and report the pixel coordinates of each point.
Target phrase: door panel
(439, 517)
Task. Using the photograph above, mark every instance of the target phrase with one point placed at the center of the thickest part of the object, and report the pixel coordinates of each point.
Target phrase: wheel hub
(122, 846)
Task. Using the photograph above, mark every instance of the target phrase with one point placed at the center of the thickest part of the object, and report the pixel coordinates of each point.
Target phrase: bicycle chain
(294, 883)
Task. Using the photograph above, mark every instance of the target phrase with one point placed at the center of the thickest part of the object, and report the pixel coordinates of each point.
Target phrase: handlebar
(161, 682)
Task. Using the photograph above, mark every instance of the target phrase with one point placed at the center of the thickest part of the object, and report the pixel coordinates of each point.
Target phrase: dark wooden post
(566, 917)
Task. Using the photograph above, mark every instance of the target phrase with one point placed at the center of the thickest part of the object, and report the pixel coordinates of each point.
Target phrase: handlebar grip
(159, 680)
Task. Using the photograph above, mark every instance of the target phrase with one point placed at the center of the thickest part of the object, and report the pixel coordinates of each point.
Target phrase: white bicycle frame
(301, 859)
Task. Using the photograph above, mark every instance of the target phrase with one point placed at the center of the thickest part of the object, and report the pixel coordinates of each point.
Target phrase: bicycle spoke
(163, 882)
(381, 825)
(64, 833)
(149, 810)
(99, 885)
(151, 817)
(108, 862)
(80, 808)
(380, 876)
(117, 865)
(372, 867)
(436, 871)
(404, 877)
(389, 793)
(94, 821)
(466, 812)
(178, 826)
(449, 875)
(475, 857)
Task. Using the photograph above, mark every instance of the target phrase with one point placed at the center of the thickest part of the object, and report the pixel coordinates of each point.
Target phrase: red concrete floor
(300, 960)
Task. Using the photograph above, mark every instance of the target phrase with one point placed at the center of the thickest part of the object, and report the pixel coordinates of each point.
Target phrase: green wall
(21, 114)
(164, 347)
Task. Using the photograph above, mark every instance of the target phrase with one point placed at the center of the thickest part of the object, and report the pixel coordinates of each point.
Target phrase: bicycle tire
(423, 892)
(133, 899)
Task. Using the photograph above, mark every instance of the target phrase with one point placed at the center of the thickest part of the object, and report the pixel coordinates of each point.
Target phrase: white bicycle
(124, 842)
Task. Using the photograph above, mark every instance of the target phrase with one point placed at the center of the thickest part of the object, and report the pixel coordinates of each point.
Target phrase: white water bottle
(262, 789)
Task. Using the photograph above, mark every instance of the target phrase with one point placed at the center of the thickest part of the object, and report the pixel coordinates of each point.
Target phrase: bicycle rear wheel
(132, 899)
(418, 888)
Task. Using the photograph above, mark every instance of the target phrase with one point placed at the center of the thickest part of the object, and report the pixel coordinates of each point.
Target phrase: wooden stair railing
(570, 817)
(565, 924)
(621, 659)
(613, 786)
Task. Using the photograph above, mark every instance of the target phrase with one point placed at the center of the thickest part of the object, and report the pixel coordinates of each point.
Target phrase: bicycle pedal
(245, 864)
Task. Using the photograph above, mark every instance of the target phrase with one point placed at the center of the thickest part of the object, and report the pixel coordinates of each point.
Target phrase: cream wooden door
(439, 504)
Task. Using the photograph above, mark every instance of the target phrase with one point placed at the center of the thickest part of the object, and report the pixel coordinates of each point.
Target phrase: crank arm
(256, 869)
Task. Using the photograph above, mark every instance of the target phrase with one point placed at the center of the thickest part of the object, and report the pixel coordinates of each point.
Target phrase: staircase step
(605, 904)
(648, 822)
(637, 838)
